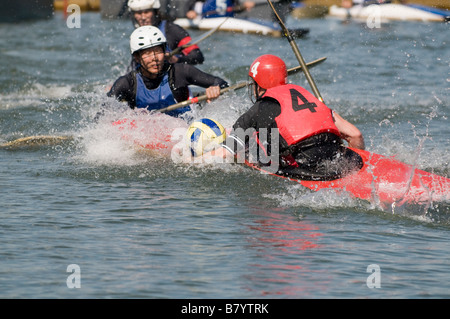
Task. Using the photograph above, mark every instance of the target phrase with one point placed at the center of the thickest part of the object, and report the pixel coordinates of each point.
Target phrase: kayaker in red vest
(147, 12)
(309, 133)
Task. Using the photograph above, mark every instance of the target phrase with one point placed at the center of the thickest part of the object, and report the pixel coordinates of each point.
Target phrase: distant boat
(390, 11)
(241, 25)
(24, 10)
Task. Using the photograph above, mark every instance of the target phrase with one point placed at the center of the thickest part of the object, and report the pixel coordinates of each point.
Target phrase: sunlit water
(139, 225)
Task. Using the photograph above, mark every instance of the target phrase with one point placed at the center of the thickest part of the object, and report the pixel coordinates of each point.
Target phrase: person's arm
(184, 75)
(248, 5)
(123, 90)
(191, 55)
(219, 153)
(177, 37)
(239, 6)
(248, 119)
(349, 132)
(187, 74)
(235, 146)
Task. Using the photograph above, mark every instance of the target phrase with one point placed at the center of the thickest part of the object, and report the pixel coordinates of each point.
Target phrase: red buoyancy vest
(302, 114)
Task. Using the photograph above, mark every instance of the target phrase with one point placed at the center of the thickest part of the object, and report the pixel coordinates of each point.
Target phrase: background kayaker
(363, 3)
(241, 10)
(147, 12)
(156, 83)
(210, 9)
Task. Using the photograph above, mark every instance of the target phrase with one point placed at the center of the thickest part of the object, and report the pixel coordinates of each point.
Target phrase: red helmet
(268, 71)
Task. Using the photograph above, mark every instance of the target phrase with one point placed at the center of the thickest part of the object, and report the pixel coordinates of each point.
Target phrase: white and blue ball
(204, 135)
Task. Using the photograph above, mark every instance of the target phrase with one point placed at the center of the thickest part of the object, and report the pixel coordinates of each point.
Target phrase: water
(142, 226)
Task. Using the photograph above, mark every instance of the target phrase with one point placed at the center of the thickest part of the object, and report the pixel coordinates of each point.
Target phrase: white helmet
(145, 37)
(138, 5)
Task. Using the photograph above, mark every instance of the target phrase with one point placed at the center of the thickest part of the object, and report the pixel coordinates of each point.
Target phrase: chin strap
(255, 92)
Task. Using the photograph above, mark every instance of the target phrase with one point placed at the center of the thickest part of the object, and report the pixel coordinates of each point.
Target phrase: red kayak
(159, 132)
(378, 179)
(386, 181)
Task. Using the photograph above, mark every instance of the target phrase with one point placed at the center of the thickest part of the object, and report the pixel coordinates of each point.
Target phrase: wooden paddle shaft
(297, 53)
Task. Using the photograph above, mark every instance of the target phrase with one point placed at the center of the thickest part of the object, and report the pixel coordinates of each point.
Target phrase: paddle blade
(36, 140)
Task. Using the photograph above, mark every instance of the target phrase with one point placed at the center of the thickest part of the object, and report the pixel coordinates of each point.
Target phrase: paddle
(35, 140)
(297, 53)
(203, 37)
(234, 87)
